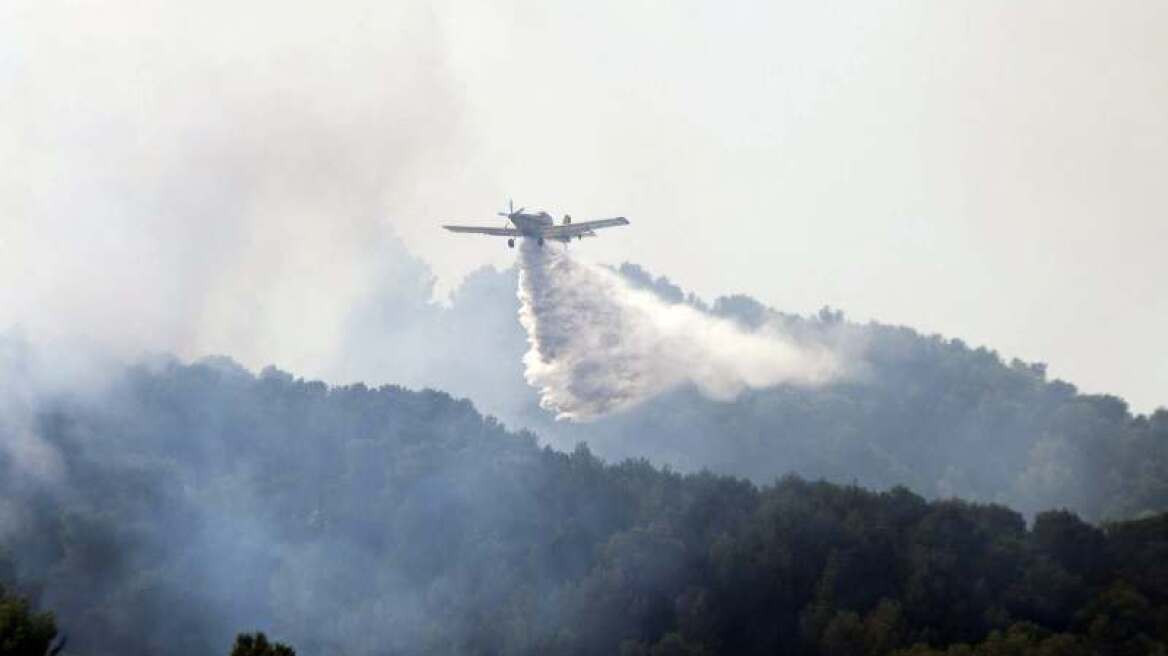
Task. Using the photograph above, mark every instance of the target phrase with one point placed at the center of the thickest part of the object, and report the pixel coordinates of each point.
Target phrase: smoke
(222, 180)
(599, 346)
(31, 378)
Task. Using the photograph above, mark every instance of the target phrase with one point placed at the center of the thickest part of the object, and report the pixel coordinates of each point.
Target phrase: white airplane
(541, 226)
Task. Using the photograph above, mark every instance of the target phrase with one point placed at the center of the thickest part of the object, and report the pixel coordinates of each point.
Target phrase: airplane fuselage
(532, 225)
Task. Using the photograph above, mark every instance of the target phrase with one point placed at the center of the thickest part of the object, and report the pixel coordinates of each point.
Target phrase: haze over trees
(931, 413)
(166, 507)
(195, 501)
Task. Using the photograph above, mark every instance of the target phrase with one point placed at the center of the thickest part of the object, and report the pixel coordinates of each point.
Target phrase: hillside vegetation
(931, 413)
(193, 502)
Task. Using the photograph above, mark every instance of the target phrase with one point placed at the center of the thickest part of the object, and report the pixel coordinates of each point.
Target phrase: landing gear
(541, 242)
(510, 243)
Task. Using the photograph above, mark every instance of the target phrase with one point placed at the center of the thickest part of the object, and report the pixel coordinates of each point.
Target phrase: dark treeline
(933, 414)
(192, 502)
(248, 644)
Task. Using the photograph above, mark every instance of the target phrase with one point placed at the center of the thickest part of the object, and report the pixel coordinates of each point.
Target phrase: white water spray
(598, 345)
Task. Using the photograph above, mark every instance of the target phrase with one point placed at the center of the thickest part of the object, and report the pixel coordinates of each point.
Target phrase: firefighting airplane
(540, 226)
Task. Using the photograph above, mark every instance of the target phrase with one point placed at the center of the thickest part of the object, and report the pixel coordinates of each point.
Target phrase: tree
(1072, 543)
(24, 632)
(247, 644)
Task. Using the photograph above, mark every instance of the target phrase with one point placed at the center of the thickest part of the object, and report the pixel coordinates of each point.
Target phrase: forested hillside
(188, 503)
(924, 411)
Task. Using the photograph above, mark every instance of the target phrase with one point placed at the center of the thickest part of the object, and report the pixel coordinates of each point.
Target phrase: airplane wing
(582, 228)
(497, 232)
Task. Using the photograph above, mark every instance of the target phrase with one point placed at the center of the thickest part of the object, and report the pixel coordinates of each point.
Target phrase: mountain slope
(928, 412)
(195, 501)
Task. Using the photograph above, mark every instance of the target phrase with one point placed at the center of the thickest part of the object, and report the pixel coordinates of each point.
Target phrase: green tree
(24, 632)
(884, 628)
(843, 636)
(1072, 543)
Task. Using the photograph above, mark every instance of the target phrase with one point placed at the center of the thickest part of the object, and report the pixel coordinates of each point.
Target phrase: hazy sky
(219, 176)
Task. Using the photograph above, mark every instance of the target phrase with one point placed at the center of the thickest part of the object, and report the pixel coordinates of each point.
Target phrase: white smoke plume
(598, 345)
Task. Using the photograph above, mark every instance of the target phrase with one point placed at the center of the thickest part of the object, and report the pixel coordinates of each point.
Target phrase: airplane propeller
(511, 211)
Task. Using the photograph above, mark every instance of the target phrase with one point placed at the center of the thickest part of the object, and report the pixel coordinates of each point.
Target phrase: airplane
(540, 226)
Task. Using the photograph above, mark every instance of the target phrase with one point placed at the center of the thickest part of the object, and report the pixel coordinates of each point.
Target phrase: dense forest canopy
(927, 412)
(188, 503)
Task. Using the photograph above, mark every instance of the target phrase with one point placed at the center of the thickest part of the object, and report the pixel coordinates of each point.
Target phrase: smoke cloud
(597, 345)
(217, 180)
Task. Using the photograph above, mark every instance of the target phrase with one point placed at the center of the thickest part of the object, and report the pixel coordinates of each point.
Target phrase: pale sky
(188, 175)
